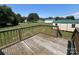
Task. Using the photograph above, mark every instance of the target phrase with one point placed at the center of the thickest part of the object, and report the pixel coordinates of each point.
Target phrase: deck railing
(12, 36)
(75, 40)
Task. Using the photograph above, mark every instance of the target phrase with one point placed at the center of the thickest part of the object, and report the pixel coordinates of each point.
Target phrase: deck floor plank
(56, 40)
(39, 44)
(51, 46)
(37, 48)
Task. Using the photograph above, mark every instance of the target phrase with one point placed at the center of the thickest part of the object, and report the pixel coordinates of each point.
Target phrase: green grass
(12, 36)
(22, 25)
(66, 35)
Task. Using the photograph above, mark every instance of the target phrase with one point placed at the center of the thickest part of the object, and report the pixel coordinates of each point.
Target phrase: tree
(57, 18)
(50, 17)
(62, 18)
(70, 17)
(32, 17)
(24, 19)
(14, 20)
(7, 16)
(19, 17)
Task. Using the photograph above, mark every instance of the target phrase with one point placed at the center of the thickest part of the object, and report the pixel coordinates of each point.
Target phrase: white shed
(67, 25)
(48, 20)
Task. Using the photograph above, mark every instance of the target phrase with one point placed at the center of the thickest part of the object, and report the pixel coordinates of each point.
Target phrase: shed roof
(67, 21)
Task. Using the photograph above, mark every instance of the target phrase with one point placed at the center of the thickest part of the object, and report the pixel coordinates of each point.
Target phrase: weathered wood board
(39, 44)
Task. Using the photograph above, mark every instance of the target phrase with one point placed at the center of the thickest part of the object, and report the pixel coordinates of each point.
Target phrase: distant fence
(9, 37)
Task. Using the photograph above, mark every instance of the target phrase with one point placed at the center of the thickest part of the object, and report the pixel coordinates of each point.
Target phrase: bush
(32, 17)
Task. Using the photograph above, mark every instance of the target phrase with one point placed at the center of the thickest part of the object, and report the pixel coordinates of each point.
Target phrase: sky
(46, 10)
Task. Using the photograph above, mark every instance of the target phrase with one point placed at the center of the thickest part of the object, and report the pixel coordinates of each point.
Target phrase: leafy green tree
(32, 17)
(19, 17)
(57, 18)
(70, 17)
(23, 19)
(50, 17)
(7, 16)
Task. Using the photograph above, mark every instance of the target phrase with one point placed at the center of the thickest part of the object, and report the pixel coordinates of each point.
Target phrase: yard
(14, 34)
(66, 35)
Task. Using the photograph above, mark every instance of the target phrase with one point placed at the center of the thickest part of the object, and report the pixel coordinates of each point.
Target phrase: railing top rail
(74, 39)
(77, 29)
(24, 28)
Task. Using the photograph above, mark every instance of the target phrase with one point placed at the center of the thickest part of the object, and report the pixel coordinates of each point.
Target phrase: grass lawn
(21, 25)
(66, 35)
(12, 36)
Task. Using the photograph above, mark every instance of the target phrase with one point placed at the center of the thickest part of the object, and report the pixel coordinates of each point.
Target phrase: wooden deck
(39, 44)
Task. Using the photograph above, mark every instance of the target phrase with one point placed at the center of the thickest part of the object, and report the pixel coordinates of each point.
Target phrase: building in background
(49, 20)
(67, 24)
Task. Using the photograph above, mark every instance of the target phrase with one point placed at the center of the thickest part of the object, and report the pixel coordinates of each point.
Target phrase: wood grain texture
(39, 44)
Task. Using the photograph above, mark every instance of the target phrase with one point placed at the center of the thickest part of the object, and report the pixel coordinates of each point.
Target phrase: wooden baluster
(4, 34)
(1, 40)
(11, 36)
(20, 34)
(7, 39)
(17, 35)
(14, 35)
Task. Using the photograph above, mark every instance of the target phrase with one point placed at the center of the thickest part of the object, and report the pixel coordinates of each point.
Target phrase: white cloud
(76, 15)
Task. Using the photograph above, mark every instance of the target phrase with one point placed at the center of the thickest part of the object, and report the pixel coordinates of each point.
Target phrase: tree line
(7, 16)
(65, 18)
(62, 18)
